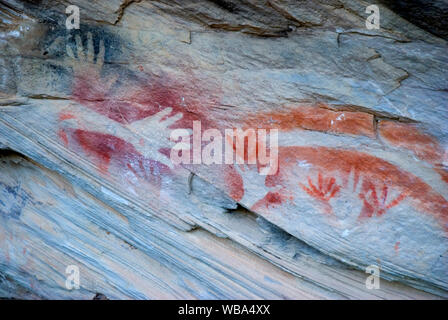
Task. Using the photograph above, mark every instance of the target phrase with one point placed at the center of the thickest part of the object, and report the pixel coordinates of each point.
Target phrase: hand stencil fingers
(358, 187)
(351, 183)
(171, 120)
(89, 54)
(101, 53)
(79, 48)
(161, 114)
(90, 48)
(69, 51)
(188, 134)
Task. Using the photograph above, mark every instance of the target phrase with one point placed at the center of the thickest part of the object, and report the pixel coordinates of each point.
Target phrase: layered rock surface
(362, 177)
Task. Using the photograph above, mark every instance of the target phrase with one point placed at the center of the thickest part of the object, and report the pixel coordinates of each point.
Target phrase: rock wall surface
(87, 179)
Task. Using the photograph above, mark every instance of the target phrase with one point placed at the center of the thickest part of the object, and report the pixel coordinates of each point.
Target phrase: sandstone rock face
(87, 179)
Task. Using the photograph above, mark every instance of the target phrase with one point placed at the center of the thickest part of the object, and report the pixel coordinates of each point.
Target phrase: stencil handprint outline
(377, 206)
(148, 135)
(325, 189)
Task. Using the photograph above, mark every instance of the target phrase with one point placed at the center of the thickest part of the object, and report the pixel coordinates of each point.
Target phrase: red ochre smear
(397, 246)
(315, 118)
(106, 148)
(324, 189)
(138, 100)
(409, 136)
(66, 116)
(375, 172)
(234, 182)
(130, 103)
(63, 136)
(443, 173)
(377, 201)
(271, 200)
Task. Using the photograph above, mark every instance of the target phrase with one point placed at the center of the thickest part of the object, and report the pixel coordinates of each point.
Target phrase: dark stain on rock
(100, 296)
(12, 200)
(428, 15)
(57, 37)
(226, 5)
(53, 48)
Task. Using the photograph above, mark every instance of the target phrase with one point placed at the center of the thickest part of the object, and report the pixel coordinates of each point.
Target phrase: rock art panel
(361, 163)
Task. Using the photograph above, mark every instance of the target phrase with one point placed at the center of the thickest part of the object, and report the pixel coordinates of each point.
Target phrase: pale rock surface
(362, 176)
